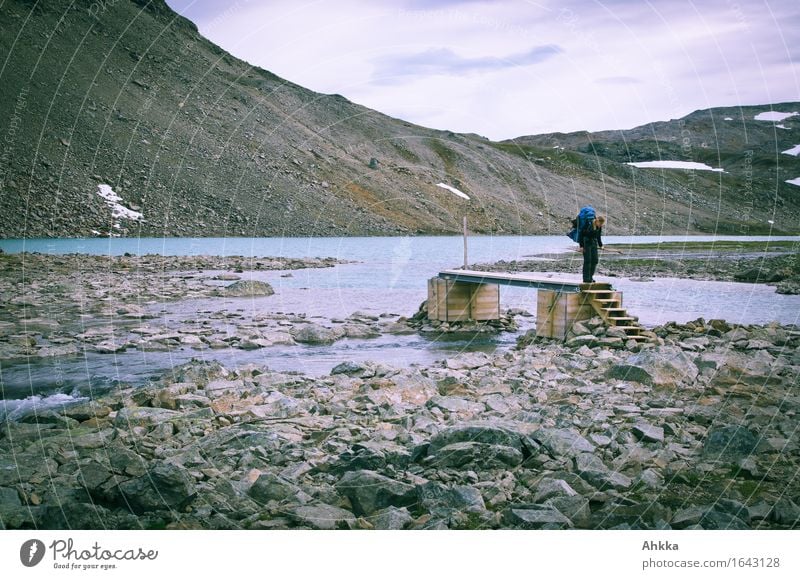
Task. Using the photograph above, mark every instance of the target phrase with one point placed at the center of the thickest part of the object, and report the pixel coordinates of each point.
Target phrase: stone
(455, 404)
(130, 417)
(468, 361)
(391, 519)
(786, 512)
(575, 507)
(246, 288)
(648, 432)
(478, 455)
(729, 442)
(352, 368)
(442, 501)
(164, 487)
(536, 517)
(488, 432)
(269, 487)
(663, 366)
(369, 491)
(92, 475)
(13, 514)
(323, 517)
(317, 334)
(562, 441)
(548, 488)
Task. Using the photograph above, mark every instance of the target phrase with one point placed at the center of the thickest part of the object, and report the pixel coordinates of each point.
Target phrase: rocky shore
(695, 429)
(69, 304)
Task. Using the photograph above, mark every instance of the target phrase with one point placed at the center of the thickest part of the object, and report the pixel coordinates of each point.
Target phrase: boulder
(369, 491)
(165, 487)
(663, 366)
(269, 487)
(489, 432)
(442, 501)
(323, 517)
(246, 289)
(477, 455)
(391, 519)
(562, 441)
(317, 334)
(535, 517)
(132, 416)
(729, 442)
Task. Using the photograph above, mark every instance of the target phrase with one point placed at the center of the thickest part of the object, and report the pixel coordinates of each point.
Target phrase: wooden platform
(458, 295)
(514, 279)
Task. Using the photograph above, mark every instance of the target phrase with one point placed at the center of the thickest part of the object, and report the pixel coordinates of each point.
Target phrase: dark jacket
(590, 234)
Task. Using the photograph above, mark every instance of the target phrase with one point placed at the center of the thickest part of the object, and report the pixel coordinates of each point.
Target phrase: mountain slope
(128, 94)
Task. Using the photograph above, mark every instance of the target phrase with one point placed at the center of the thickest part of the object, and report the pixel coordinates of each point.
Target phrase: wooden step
(606, 300)
(628, 329)
(597, 291)
(626, 319)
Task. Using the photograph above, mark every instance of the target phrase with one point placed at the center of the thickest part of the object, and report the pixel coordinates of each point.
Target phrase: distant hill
(128, 94)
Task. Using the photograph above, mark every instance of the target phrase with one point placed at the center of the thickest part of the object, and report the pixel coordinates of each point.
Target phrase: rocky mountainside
(188, 140)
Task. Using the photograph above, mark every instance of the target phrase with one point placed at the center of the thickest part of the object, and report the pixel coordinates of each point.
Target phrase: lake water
(389, 276)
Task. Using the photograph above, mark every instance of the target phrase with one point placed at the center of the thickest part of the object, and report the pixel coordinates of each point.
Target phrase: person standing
(590, 241)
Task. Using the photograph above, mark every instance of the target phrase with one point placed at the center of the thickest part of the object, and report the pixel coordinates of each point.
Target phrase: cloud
(618, 80)
(443, 61)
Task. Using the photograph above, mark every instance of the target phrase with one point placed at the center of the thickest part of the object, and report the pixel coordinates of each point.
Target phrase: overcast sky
(507, 68)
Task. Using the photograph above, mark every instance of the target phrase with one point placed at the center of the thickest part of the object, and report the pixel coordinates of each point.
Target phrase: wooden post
(465, 243)
(453, 301)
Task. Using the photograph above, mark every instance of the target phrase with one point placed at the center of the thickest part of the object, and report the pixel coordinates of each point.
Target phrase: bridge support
(557, 311)
(456, 301)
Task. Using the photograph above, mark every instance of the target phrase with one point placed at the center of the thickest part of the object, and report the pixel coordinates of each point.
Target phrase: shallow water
(390, 276)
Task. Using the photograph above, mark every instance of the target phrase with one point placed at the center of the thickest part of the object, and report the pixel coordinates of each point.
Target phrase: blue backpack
(585, 216)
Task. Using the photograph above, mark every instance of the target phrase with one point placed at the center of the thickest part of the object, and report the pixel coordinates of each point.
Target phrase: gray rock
(322, 516)
(729, 442)
(369, 491)
(442, 501)
(130, 417)
(93, 475)
(13, 514)
(663, 366)
(786, 512)
(648, 432)
(391, 519)
(456, 404)
(489, 432)
(269, 487)
(316, 334)
(549, 488)
(468, 361)
(352, 368)
(164, 487)
(477, 455)
(246, 288)
(536, 517)
(563, 441)
(576, 508)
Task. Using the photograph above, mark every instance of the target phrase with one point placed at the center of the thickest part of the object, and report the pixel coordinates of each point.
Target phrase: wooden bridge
(458, 295)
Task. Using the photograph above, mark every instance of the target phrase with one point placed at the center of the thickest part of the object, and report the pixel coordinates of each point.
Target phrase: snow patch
(728, 118)
(675, 165)
(453, 190)
(793, 151)
(795, 181)
(118, 211)
(782, 127)
(774, 116)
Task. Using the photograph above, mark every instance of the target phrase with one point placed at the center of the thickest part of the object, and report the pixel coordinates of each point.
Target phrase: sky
(507, 68)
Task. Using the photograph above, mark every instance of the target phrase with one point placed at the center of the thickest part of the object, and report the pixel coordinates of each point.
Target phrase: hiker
(590, 239)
